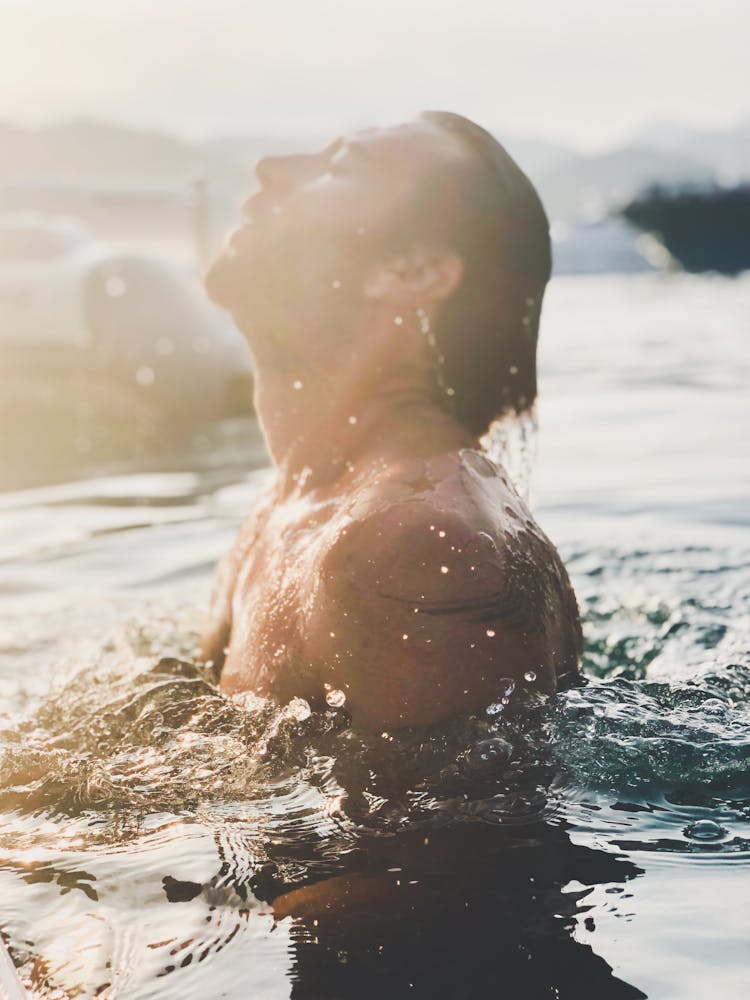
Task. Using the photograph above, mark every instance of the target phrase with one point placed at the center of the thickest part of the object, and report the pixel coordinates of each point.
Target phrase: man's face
(315, 228)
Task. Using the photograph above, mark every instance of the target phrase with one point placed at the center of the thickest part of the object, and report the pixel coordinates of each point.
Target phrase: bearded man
(390, 289)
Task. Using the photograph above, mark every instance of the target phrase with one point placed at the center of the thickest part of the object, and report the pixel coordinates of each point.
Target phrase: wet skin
(411, 586)
(391, 567)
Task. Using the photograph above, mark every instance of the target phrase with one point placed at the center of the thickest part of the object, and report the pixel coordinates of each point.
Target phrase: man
(390, 289)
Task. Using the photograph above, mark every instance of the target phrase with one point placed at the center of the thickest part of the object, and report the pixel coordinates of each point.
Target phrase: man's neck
(317, 431)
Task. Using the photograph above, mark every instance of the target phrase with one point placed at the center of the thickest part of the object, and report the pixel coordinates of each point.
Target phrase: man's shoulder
(426, 531)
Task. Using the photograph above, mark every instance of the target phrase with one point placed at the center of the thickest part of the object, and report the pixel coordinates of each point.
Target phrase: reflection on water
(594, 844)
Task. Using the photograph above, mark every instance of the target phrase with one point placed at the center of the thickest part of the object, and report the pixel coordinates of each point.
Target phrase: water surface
(596, 844)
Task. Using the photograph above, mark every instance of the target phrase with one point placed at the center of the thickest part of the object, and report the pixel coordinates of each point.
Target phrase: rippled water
(596, 844)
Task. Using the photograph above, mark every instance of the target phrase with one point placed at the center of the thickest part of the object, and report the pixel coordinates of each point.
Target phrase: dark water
(596, 844)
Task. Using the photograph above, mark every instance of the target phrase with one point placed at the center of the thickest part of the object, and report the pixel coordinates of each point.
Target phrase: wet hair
(489, 213)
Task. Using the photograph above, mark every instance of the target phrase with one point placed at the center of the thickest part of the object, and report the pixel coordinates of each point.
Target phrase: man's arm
(218, 627)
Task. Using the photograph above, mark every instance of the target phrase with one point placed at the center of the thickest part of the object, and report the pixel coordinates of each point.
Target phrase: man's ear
(416, 278)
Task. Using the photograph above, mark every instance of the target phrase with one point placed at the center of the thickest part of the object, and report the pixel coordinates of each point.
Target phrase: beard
(287, 290)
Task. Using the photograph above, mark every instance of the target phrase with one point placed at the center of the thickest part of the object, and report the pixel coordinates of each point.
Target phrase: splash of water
(511, 442)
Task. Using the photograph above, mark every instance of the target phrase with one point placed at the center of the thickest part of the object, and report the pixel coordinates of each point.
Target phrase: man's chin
(224, 282)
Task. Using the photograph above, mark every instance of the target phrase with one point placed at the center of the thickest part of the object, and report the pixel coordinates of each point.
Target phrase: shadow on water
(474, 911)
(424, 864)
(469, 910)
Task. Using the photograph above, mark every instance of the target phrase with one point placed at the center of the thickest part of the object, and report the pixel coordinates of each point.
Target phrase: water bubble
(530, 676)
(335, 283)
(443, 569)
(398, 320)
(441, 534)
(704, 829)
(505, 687)
(714, 706)
(513, 369)
(335, 698)
(145, 375)
(490, 633)
(297, 384)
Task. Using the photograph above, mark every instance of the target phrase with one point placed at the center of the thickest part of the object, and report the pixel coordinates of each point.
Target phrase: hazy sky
(588, 72)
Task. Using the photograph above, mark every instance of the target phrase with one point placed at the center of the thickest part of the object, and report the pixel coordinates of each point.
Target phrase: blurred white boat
(105, 353)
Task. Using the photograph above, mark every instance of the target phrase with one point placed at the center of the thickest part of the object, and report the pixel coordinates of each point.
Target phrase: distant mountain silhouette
(572, 184)
(590, 185)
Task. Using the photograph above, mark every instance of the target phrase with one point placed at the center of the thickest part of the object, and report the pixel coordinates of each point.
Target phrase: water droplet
(704, 829)
(443, 569)
(296, 384)
(335, 283)
(404, 636)
(145, 375)
(490, 633)
(530, 676)
(298, 709)
(398, 320)
(361, 230)
(513, 369)
(352, 420)
(441, 534)
(335, 698)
